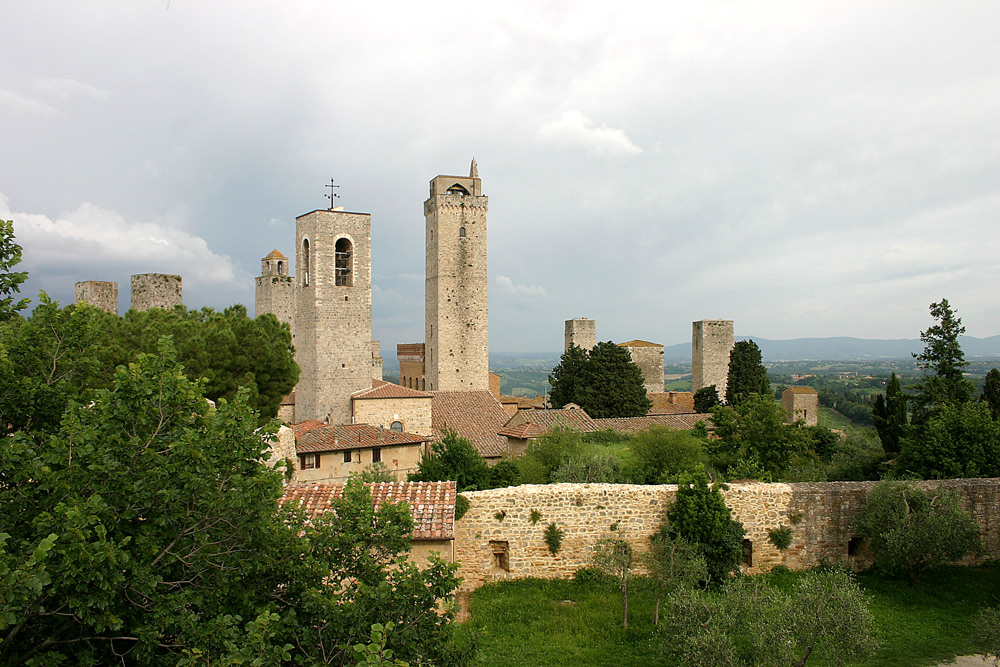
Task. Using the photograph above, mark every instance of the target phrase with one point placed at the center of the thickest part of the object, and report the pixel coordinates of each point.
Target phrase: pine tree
(890, 417)
(944, 357)
(991, 392)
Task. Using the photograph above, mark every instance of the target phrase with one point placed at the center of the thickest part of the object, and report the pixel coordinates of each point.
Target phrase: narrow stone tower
(455, 293)
(156, 290)
(711, 342)
(333, 313)
(98, 293)
(275, 292)
(582, 333)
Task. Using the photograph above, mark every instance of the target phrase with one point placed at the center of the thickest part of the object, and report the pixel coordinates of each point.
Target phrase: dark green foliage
(597, 468)
(890, 417)
(747, 374)
(462, 506)
(548, 453)
(706, 398)
(553, 538)
(991, 392)
(955, 440)
(535, 517)
(821, 440)
(604, 382)
(756, 429)
(453, 458)
(857, 457)
(662, 455)
(943, 357)
(986, 633)
(10, 281)
(909, 530)
(780, 537)
(700, 516)
(505, 473)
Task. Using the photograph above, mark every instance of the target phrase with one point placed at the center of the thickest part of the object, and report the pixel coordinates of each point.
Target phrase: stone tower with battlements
(98, 293)
(711, 342)
(333, 313)
(582, 333)
(275, 289)
(455, 293)
(156, 290)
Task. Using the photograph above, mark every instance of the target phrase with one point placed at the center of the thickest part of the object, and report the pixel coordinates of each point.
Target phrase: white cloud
(574, 129)
(66, 88)
(18, 103)
(508, 286)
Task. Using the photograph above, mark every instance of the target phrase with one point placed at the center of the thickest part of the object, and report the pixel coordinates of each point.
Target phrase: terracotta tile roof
(683, 422)
(802, 390)
(522, 431)
(381, 389)
(538, 402)
(639, 343)
(315, 436)
(475, 415)
(432, 504)
(671, 402)
(546, 420)
(274, 254)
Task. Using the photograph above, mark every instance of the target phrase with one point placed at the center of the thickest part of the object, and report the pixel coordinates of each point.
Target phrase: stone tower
(156, 290)
(455, 293)
(711, 342)
(582, 333)
(333, 313)
(98, 293)
(275, 291)
(649, 358)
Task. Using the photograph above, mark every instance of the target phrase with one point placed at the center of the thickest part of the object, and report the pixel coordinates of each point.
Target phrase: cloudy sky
(803, 168)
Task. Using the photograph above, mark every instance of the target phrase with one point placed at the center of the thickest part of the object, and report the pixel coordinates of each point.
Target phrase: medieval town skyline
(807, 171)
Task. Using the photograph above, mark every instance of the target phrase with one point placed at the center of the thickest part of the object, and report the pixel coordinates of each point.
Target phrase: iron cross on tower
(333, 196)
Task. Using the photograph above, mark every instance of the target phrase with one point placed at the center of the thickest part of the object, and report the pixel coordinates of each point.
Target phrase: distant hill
(844, 348)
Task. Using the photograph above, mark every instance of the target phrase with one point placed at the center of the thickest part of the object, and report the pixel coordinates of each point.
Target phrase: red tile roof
(639, 343)
(475, 415)
(802, 390)
(432, 504)
(576, 419)
(315, 436)
(683, 422)
(381, 389)
(522, 431)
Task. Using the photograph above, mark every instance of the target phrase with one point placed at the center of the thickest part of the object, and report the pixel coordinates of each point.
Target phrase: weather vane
(333, 196)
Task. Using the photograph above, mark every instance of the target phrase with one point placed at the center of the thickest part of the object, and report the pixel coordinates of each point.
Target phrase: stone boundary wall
(496, 538)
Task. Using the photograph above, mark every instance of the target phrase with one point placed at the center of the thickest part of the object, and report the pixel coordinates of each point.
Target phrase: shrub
(699, 515)
(553, 538)
(462, 505)
(780, 537)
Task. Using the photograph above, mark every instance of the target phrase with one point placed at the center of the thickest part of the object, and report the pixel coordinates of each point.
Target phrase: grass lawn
(545, 622)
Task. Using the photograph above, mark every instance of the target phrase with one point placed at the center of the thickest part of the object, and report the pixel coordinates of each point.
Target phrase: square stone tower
(711, 342)
(582, 333)
(455, 293)
(98, 293)
(649, 358)
(156, 290)
(801, 403)
(275, 289)
(333, 312)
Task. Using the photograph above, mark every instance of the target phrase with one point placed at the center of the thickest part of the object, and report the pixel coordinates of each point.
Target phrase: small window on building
(343, 263)
(748, 553)
(281, 268)
(461, 232)
(310, 461)
(396, 426)
(376, 454)
(347, 456)
(501, 556)
(305, 262)
(854, 546)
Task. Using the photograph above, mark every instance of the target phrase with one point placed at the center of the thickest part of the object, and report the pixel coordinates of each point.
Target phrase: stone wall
(98, 293)
(582, 333)
(411, 365)
(496, 539)
(414, 412)
(275, 294)
(711, 341)
(156, 290)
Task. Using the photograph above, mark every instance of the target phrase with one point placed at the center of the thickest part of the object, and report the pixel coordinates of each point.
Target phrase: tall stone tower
(275, 289)
(333, 313)
(711, 342)
(582, 333)
(455, 293)
(156, 290)
(98, 293)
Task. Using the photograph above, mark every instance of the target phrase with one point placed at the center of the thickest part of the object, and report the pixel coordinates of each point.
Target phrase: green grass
(544, 622)
(830, 418)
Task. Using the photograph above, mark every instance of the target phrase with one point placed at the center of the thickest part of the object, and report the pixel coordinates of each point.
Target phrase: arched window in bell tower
(344, 263)
(305, 262)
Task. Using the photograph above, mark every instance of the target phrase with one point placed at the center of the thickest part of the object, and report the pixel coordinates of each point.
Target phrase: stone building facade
(411, 365)
(333, 313)
(649, 358)
(456, 318)
(711, 342)
(801, 403)
(98, 293)
(156, 290)
(394, 407)
(275, 289)
(582, 333)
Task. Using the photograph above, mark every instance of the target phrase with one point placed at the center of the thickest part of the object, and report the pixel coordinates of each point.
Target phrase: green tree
(747, 374)
(662, 454)
(991, 392)
(755, 429)
(706, 398)
(10, 281)
(890, 417)
(986, 633)
(956, 440)
(453, 458)
(700, 516)
(674, 564)
(548, 452)
(943, 356)
(909, 530)
(615, 557)
(604, 381)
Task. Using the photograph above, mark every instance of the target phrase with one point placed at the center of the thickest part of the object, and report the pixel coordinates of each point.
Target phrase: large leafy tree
(700, 516)
(955, 440)
(604, 381)
(747, 374)
(943, 358)
(909, 530)
(890, 416)
(755, 430)
(10, 281)
(456, 459)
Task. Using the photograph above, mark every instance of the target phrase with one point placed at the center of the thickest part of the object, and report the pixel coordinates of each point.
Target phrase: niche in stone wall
(855, 546)
(748, 553)
(501, 556)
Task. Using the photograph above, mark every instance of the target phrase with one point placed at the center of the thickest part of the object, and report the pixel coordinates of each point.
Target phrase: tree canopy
(10, 281)
(747, 374)
(890, 417)
(755, 429)
(604, 381)
(943, 357)
(700, 516)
